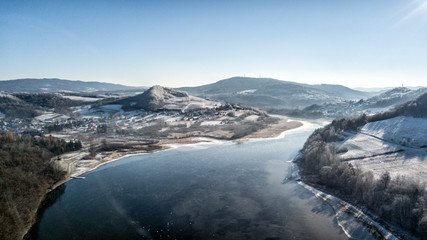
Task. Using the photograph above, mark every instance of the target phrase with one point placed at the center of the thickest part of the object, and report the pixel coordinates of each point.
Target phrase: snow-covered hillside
(406, 131)
(397, 145)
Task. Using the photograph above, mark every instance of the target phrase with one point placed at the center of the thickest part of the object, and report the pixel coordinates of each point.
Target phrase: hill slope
(11, 106)
(345, 109)
(395, 96)
(375, 161)
(57, 85)
(28, 105)
(160, 98)
(271, 93)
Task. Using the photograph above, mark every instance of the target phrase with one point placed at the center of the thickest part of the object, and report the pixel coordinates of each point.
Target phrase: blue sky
(359, 43)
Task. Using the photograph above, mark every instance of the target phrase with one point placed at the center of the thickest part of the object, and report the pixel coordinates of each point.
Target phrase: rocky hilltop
(159, 98)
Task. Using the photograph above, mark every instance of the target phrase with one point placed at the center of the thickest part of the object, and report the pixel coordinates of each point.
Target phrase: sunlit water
(222, 191)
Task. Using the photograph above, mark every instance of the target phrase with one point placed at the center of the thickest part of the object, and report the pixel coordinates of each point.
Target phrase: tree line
(26, 173)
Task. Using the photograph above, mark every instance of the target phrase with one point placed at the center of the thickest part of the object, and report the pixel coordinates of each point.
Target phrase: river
(203, 191)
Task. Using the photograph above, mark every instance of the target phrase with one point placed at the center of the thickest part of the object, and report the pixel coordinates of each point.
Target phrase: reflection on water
(226, 191)
(49, 200)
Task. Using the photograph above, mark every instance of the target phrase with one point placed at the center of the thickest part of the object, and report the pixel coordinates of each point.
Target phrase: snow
(245, 92)
(79, 98)
(7, 95)
(251, 118)
(411, 163)
(349, 217)
(47, 116)
(395, 145)
(210, 123)
(188, 103)
(361, 145)
(408, 131)
(3, 94)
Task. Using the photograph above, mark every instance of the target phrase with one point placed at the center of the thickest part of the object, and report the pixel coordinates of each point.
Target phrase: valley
(213, 120)
(377, 135)
(110, 127)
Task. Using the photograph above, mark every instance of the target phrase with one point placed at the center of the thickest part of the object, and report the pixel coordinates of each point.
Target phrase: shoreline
(332, 200)
(191, 141)
(340, 207)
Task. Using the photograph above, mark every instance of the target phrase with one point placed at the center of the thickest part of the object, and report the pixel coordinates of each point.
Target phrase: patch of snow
(361, 145)
(7, 95)
(3, 94)
(380, 109)
(411, 164)
(188, 103)
(350, 218)
(47, 116)
(251, 118)
(79, 98)
(248, 91)
(407, 131)
(393, 145)
(210, 123)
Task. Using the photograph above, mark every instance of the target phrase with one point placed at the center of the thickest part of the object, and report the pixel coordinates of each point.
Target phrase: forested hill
(57, 85)
(27, 105)
(272, 93)
(26, 173)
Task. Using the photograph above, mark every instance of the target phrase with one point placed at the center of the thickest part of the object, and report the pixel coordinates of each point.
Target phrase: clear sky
(357, 43)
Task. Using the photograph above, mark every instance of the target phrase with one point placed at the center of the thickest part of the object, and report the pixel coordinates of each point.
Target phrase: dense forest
(16, 108)
(26, 173)
(400, 200)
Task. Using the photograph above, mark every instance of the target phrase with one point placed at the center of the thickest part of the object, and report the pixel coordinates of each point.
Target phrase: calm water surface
(223, 191)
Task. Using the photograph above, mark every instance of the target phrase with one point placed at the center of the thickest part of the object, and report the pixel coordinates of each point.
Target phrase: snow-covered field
(361, 145)
(410, 163)
(407, 131)
(79, 98)
(396, 145)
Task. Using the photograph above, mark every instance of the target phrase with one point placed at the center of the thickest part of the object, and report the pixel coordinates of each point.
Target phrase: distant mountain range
(274, 96)
(273, 93)
(256, 92)
(58, 85)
